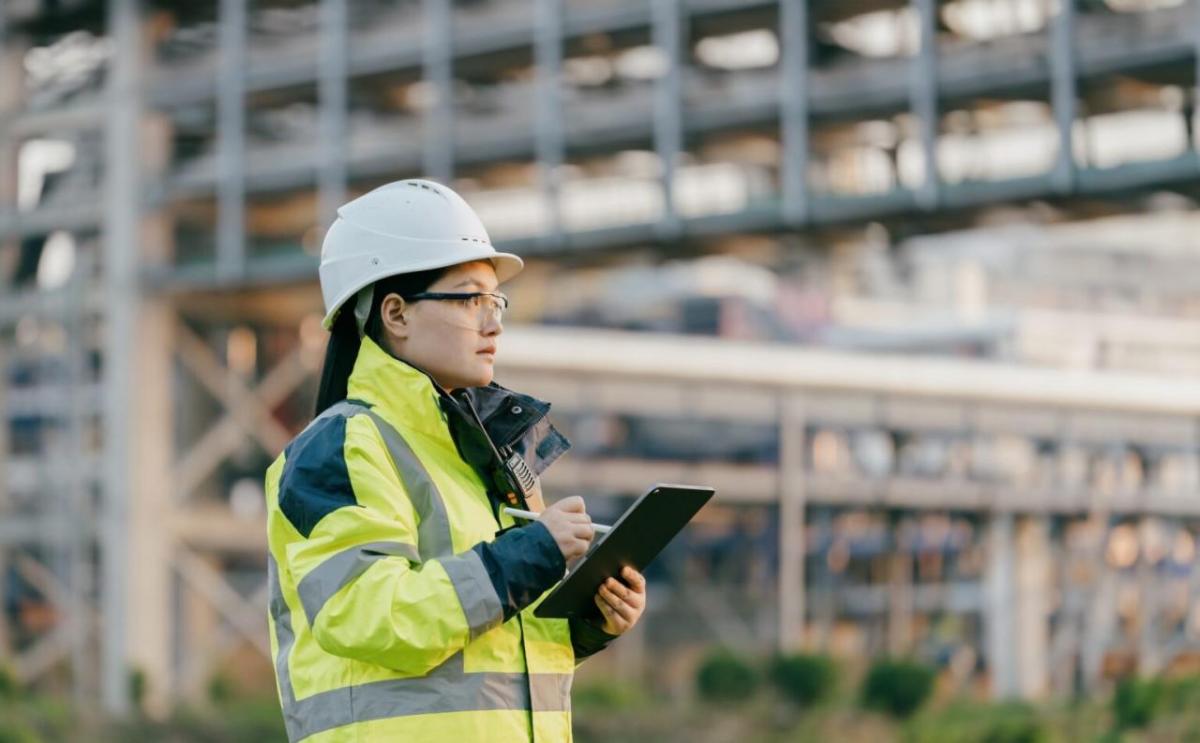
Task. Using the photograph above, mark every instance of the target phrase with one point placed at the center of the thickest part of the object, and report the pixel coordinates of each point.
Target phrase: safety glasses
(485, 307)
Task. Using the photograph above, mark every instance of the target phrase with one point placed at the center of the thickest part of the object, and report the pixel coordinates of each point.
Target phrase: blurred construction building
(923, 281)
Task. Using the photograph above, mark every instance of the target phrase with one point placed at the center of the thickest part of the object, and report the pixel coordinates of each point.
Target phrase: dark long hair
(342, 349)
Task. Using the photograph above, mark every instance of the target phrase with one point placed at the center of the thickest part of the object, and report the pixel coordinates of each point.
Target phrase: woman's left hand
(622, 603)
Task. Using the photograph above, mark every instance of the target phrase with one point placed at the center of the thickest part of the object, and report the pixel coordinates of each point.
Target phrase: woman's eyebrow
(476, 282)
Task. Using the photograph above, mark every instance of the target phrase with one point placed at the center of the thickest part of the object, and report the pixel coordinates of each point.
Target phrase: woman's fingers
(614, 623)
(636, 580)
(622, 607)
(631, 596)
(610, 615)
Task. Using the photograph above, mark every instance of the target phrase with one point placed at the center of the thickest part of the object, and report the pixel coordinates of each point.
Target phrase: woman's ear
(391, 314)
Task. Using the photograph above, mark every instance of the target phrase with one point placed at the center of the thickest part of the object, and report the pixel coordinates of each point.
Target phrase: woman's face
(453, 341)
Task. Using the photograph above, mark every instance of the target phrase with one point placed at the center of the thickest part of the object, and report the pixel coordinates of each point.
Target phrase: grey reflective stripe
(475, 591)
(447, 688)
(326, 579)
(343, 408)
(551, 691)
(474, 587)
(433, 531)
(294, 718)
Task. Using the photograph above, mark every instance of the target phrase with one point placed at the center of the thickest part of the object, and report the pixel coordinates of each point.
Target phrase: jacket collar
(408, 397)
(402, 393)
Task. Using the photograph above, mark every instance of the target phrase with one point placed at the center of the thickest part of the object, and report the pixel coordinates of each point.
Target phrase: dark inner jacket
(490, 426)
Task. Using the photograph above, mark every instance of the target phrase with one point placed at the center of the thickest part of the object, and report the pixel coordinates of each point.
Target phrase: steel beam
(794, 109)
(923, 101)
(792, 505)
(122, 116)
(437, 58)
(1064, 93)
(1000, 593)
(231, 140)
(667, 35)
(332, 94)
(550, 136)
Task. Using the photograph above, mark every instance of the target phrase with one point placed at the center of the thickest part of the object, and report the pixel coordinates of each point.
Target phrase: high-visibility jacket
(396, 611)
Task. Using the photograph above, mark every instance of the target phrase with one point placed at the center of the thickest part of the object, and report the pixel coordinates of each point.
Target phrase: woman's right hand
(569, 524)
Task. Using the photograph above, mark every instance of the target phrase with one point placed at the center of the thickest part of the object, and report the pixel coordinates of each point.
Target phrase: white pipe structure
(712, 360)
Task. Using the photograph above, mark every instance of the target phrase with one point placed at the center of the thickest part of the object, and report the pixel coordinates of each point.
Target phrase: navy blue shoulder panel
(315, 480)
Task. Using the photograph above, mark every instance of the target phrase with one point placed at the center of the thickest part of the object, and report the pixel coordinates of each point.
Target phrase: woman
(401, 593)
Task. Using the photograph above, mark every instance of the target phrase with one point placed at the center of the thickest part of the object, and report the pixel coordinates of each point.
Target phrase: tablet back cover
(637, 537)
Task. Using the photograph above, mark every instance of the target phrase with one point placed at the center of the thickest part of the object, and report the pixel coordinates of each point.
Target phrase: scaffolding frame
(151, 543)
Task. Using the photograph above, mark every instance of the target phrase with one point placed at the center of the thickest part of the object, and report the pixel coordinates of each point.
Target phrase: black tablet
(637, 537)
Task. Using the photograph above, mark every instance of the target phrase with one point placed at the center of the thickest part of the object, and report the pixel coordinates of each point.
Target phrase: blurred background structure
(915, 285)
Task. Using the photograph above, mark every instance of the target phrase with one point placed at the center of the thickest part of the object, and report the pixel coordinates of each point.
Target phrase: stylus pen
(517, 513)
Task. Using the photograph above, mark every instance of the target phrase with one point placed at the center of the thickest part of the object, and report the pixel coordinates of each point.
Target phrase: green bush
(804, 679)
(608, 695)
(1182, 694)
(1015, 730)
(897, 687)
(1136, 702)
(725, 677)
(968, 722)
(10, 688)
(137, 689)
(221, 690)
(15, 731)
(254, 721)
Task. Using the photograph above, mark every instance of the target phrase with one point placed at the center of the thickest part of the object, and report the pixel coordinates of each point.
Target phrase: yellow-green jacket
(397, 611)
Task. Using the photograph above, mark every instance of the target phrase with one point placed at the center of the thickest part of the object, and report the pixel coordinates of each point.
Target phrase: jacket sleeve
(365, 591)
(587, 639)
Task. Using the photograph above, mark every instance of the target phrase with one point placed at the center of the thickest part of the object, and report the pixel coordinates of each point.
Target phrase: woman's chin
(483, 374)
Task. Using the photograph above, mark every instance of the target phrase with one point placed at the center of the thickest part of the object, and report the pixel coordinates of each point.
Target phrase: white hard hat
(402, 227)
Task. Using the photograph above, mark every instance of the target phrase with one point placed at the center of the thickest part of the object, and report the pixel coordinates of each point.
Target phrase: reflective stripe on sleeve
(325, 580)
(475, 590)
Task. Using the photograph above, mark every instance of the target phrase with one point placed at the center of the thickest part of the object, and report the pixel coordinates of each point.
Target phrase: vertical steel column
(550, 144)
(438, 66)
(10, 100)
(1063, 93)
(331, 93)
(923, 101)
(6, 646)
(1101, 625)
(901, 599)
(78, 535)
(792, 469)
(231, 140)
(1150, 641)
(121, 297)
(1033, 584)
(8, 177)
(998, 599)
(793, 105)
(1192, 97)
(667, 36)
